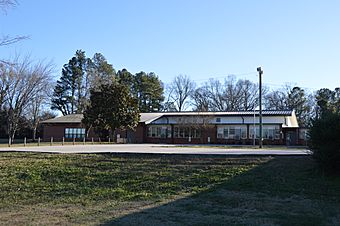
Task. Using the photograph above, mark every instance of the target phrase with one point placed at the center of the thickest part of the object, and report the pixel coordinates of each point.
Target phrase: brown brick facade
(208, 134)
(57, 131)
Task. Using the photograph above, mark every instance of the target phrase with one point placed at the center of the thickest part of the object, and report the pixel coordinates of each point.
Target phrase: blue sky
(296, 42)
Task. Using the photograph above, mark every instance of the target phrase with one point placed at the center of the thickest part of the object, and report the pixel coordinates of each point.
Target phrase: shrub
(325, 142)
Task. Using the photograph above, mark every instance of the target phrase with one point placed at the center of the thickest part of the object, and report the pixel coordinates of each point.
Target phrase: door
(291, 138)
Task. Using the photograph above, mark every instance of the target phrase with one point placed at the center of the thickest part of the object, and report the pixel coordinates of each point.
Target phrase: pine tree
(71, 92)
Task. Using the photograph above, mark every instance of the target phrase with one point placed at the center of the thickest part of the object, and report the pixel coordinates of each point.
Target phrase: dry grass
(112, 189)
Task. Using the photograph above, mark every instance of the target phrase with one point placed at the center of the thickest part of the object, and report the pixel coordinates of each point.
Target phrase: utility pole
(259, 70)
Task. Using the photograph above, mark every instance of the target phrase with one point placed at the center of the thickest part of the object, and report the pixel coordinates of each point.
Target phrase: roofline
(46, 122)
(193, 113)
(228, 113)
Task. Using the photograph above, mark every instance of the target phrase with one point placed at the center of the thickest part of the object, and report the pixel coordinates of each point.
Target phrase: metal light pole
(259, 70)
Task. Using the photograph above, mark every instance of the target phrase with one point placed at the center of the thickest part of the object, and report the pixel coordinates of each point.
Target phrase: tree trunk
(34, 133)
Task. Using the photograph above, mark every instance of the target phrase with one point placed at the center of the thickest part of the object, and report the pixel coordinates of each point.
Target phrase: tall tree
(36, 111)
(327, 101)
(276, 100)
(336, 101)
(201, 100)
(124, 77)
(180, 91)
(5, 71)
(71, 92)
(288, 98)
(148, 89)
(215, 92)
(122, 112)
(100, 71)
(25, 81)
(233, 95)
(298, 100)
(248, 92)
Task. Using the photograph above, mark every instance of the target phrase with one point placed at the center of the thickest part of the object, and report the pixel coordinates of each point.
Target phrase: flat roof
(149, 117)
(227, 113)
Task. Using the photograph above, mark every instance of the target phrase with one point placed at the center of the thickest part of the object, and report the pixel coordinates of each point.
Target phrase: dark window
(74, 133)
(186, 132)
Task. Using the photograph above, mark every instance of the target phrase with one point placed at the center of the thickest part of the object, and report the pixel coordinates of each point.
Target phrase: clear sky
(295, 41)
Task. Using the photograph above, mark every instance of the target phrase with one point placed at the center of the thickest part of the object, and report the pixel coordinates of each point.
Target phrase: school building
(279, 127)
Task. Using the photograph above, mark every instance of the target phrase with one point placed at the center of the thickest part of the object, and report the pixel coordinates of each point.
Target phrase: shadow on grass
(282, 191)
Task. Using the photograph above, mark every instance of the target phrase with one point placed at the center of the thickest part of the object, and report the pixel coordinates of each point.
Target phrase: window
(74, 132)
(232, 132)
(186, 132)
(269, 132)
(159, 131)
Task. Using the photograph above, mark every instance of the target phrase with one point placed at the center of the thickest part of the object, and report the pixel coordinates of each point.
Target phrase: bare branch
(6, 4)
(7, 40)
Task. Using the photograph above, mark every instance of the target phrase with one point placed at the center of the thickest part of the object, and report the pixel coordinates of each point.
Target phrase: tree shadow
(282, 191)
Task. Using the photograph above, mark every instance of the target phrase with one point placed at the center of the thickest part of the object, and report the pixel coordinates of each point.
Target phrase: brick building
(279, 127)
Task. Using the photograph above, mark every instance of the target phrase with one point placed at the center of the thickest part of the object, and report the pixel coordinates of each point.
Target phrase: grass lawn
(55, 143)
(112, 189)
(229, 146)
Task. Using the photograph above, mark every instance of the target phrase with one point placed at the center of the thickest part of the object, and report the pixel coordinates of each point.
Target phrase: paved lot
(159, 149)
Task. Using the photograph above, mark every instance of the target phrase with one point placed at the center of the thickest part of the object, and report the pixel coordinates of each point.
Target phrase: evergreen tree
(100, 71)
(148, 90)
(327, 101)
(298, 101)
(71, 92)
(124, 77)
(122, 111)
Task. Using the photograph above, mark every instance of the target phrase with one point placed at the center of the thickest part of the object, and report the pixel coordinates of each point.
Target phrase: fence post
(63, 142)
(9, 142)
(84, 142)
(92, 140)
(51, 141)
(109, 140)
(38, 141)
(74, 140)
(99, 140)
(24, 141)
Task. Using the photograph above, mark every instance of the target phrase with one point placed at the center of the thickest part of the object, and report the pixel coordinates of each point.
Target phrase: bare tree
(4, 83)
(277, 99)
(201, 100)
(215, 92)
(233, 95)
(6, 4)
(26, 81)
(180, 91)
(248, 95)
(36, 109)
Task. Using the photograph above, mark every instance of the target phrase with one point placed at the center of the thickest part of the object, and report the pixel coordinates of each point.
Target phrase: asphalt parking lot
(161, 149)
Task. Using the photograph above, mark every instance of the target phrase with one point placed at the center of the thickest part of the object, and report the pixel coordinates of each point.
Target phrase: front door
(291, 138)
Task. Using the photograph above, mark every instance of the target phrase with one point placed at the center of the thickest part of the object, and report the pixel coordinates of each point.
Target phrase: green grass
(55, 143)
(164, 189)
(226, 146)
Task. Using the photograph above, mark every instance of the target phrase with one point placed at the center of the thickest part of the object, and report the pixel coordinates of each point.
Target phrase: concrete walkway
(159, 149)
